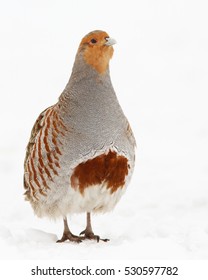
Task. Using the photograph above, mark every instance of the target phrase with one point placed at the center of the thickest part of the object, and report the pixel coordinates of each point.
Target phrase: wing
(35, 131)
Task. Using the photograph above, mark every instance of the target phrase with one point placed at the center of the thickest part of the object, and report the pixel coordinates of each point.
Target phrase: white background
(159, 71)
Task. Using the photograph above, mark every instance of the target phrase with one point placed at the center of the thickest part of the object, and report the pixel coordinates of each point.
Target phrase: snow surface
(159, 72)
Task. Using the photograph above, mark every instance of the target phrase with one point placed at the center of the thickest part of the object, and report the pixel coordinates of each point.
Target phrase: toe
(70, 237)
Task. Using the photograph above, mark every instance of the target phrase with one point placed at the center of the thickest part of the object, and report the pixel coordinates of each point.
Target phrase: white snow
(159, 71)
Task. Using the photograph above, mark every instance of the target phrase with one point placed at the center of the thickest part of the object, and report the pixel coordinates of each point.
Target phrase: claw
(105, 240)
(82, 233)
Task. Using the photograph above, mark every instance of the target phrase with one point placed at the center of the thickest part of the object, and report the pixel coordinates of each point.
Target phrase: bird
(81, 152)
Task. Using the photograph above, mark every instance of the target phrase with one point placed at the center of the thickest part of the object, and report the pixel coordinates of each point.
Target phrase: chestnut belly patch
(108, 168)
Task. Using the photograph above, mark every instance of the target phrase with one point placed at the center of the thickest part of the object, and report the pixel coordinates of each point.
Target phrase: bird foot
(90, 235)
(71, 237)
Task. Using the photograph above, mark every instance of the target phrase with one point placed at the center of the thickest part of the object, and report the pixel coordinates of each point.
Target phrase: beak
(110, 41)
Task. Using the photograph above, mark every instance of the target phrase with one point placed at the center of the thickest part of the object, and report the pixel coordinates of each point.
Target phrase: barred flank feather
(43, 153)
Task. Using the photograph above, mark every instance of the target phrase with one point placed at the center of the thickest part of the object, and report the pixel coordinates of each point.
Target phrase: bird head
(96, 49)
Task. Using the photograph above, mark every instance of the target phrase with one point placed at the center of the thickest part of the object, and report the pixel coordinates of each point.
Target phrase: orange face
(96, 50)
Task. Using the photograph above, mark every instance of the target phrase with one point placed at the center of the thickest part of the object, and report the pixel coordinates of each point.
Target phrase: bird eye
(93, 41)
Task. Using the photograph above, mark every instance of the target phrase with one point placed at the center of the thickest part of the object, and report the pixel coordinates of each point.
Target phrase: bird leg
(88, 233)
(67, 235)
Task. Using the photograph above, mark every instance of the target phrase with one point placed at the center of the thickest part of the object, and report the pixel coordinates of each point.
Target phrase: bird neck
(88, 95)
(86, 67)
(84, 78)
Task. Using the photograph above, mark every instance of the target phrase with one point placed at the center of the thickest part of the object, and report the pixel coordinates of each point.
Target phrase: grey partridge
(81, 152)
